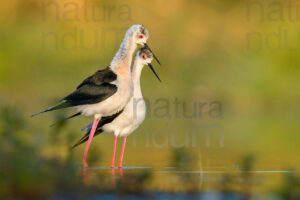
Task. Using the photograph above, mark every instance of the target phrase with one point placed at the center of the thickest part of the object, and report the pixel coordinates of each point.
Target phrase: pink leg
(95, 124)
(114, 153)
(122, 153)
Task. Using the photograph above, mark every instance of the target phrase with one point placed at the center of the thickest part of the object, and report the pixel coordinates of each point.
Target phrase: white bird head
(146, 57)
(140, 35)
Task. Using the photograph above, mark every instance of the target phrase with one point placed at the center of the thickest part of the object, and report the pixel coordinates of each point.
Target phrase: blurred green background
(238, 59)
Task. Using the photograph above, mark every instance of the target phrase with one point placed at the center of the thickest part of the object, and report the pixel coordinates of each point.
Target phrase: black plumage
(103, 121)
(92, 90)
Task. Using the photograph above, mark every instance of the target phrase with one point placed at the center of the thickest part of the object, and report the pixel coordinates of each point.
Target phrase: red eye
(141, 36)
(144, 56)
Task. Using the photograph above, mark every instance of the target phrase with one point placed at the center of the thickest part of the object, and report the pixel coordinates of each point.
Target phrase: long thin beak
(146, 45)
(151, 67)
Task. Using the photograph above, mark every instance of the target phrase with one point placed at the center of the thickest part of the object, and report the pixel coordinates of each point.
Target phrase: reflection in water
(218, 172)
(120, 171)
(113, 177)
(86, 170)
(135, 179)
(84, 176)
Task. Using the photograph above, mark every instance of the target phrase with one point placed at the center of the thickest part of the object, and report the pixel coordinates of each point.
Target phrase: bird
(126, 121)
(107, 91)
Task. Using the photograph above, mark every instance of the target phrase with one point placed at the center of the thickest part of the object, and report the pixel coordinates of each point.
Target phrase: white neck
(123, 57)
(136, 75)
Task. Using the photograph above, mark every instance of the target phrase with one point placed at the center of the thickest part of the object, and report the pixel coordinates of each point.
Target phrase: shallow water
(172, 182)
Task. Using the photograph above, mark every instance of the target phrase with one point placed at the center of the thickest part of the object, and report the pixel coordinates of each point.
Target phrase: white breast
(129, 120)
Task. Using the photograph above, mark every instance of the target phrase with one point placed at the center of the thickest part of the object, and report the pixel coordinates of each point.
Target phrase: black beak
(151, 67)
(146, 45)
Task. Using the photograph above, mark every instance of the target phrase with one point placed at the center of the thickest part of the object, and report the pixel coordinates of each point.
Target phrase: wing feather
(92, 90)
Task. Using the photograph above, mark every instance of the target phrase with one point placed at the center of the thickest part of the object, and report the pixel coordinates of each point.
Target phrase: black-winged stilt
(129, 119)
(106, 92)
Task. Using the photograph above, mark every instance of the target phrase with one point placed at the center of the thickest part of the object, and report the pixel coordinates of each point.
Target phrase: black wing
(102, 76)
(104, 120)
(94, 89)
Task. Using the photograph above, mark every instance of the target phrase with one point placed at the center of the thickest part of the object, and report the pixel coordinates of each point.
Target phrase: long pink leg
(95, 124)
(114, 153)
(122, 152)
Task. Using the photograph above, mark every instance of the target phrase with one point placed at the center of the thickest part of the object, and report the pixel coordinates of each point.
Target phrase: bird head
(140, 35)
(146, 57)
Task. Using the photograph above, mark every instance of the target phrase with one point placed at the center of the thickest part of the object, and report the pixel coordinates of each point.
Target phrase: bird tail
(60, 105)
(70, 117)
(86, 137)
